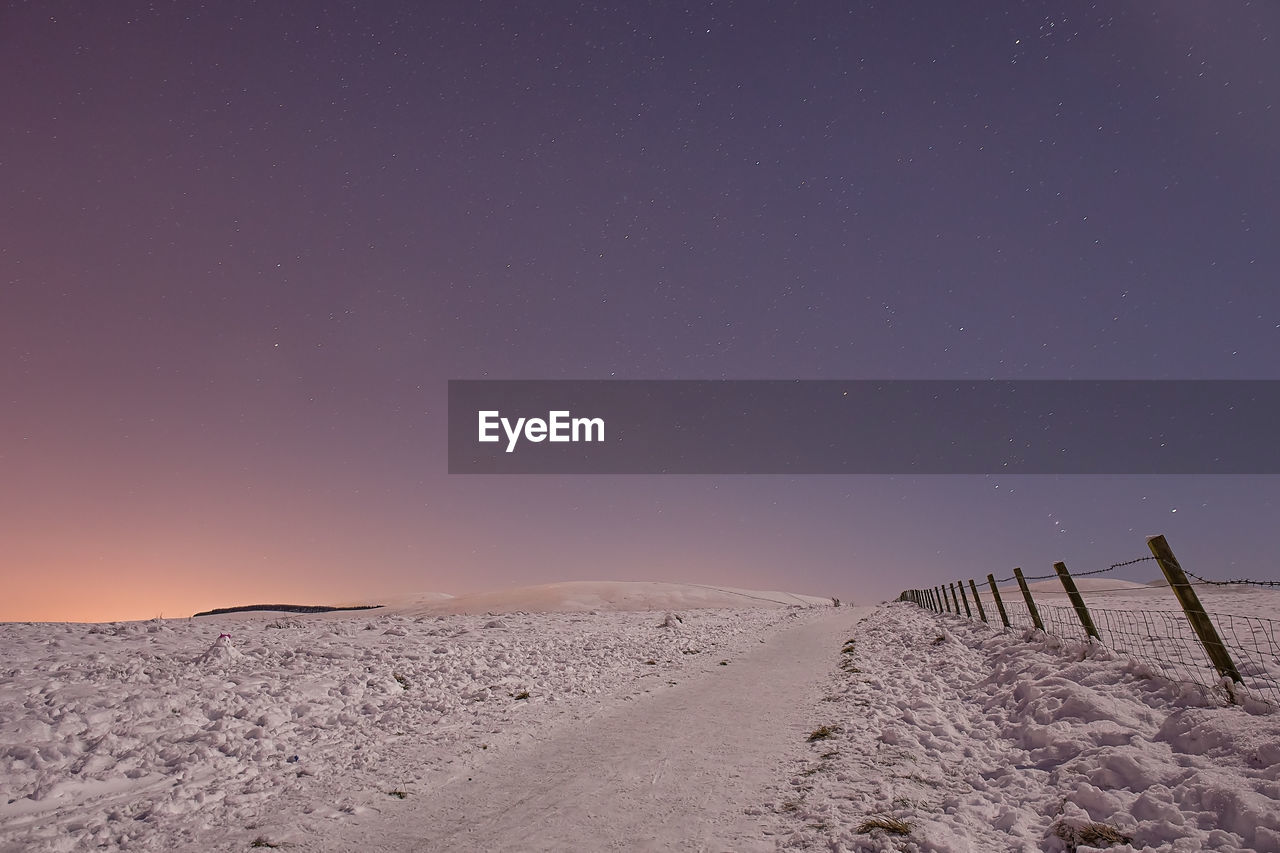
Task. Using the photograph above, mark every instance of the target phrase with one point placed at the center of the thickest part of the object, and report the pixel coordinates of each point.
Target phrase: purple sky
(244, 246)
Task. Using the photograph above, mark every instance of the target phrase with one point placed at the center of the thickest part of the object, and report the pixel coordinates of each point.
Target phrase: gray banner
(864, 427)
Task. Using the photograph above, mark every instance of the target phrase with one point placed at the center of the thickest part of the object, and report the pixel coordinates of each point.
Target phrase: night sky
(243, 247)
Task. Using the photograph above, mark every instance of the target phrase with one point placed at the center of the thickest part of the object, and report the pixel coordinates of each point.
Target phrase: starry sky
(244, 246)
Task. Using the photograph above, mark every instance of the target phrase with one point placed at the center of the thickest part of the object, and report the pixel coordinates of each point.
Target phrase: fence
(1227, 653)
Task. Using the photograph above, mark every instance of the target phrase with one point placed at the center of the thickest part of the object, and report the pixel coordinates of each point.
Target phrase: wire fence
(1168, 631)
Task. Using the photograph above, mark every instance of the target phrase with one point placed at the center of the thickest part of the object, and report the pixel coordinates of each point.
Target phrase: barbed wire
(1027, 578)
(1125, 563)
(1109, 568)
(1231, 583)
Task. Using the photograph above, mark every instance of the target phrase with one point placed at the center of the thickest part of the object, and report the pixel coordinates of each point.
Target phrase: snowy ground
(990, 741)
(420, 730)
(164, 734)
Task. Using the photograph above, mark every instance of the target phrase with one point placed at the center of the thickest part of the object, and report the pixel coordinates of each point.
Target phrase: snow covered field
(392, 730)
(167, 734)
(985, 741)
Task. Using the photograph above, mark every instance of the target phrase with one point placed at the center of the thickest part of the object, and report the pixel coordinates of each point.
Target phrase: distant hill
(284, 608)
(565, 597)
(584, 596)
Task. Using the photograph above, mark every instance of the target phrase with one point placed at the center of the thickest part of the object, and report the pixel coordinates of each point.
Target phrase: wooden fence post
(965, 599)
(995, 593)
(976, 600)
(1200, 621)
(1031, 602)
(955, 602)
(1076, 600)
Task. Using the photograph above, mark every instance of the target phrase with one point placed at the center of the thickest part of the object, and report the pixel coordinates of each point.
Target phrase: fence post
(1031, 602)
(1076, 600)
(978, 601)
(933, 600)
(942, 601)
(955, 602)
(995, 593)
(1200, 621)
(965, 599)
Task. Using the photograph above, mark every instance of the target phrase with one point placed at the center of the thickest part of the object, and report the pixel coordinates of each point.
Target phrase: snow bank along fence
(1235, 654)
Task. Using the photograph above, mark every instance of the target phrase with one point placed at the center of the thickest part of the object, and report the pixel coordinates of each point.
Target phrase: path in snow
(671, 769)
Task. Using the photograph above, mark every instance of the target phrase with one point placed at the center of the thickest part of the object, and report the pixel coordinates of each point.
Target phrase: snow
(990, 740)
(155, 735)
(595, 723)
